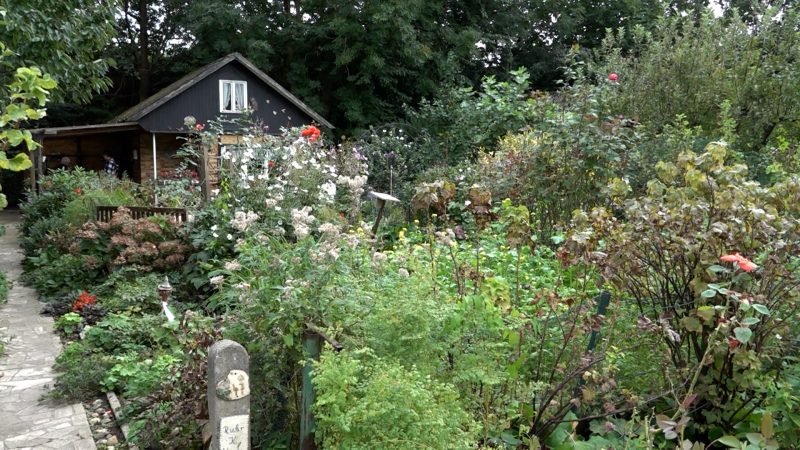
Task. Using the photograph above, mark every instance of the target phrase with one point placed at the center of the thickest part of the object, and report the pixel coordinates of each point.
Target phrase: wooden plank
(105, 213)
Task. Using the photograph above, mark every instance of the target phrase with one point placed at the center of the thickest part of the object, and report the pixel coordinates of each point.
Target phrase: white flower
(329, 228)
(217, 280)
(328, 191)
(241, 220)
(233, 265)
(229, 236)
(301, 219)
(403, 272)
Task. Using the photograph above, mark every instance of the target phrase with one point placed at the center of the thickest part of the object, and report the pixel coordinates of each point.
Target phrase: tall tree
(150, 33)
(62, 38)
(359, 62)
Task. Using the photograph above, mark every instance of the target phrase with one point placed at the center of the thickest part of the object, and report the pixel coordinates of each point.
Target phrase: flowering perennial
(83, 300)
(301, 219)
(311, 132)
(241, 220)
(744, 263)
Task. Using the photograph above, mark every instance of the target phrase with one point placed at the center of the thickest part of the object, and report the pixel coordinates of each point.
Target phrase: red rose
(78, 191)
(311, 132)
(199, 127)
(613, 76)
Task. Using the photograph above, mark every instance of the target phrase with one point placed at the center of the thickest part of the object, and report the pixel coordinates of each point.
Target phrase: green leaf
(716, 268)
(761, 309)
(743, 334)
(691, 323)
(730, 441)
(709, 293)
(513, 338)
(767, 428)
(706, 313)
(750, 321)
(754, 438)
(19, 162)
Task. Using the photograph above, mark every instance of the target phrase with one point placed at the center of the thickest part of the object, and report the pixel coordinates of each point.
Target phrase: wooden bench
(104, 213)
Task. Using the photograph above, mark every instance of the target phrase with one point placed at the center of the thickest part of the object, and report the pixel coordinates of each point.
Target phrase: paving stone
(26, 368)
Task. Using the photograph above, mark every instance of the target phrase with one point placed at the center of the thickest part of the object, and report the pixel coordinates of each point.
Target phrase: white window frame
(233, 84)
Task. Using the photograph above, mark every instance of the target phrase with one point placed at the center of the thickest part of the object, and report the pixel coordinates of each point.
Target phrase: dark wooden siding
(202, 102)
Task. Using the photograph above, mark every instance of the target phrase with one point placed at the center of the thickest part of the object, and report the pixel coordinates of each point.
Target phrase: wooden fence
(104, 213)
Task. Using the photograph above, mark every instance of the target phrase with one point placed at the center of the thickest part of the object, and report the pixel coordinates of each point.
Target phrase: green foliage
(127, 334)
(132, 353)
(726, 329)
(50, 216)
(5, 286)
(135, 377)
(62, 39)
(81, 371)
(487, 319)
(705, 68)
(69, 323)
(81, 209)
(364, 402)
(61, 275)
(564, 167)
(127, 290)
(464, 122)
(168, 417)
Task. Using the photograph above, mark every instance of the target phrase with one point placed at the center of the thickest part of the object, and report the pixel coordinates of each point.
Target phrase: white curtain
(239, 97)
(226, 96)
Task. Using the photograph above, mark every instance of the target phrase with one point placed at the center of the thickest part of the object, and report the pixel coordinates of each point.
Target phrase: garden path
(26, 369)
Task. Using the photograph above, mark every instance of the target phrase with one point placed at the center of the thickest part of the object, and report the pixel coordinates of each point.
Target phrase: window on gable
(232, 96)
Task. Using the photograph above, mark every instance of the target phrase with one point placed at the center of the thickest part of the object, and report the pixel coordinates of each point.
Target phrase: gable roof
(151, 103)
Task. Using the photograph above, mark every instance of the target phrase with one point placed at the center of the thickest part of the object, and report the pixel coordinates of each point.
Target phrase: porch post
(155, 169)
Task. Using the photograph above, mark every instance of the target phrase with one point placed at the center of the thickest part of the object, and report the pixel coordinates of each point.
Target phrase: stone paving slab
(26, 372)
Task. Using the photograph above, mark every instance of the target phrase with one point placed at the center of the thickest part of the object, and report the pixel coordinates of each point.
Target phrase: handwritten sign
(235, 433)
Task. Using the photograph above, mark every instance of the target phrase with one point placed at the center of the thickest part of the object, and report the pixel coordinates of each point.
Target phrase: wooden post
(313, 346)
(205, 181)
(381, 199)
(229, 396)
(602, 304)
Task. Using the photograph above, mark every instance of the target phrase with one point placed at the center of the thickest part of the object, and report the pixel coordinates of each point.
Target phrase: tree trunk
(143, 52)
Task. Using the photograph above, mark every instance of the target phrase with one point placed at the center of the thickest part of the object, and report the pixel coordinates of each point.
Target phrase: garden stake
(382, 199)
(602, 303)
(312, 343)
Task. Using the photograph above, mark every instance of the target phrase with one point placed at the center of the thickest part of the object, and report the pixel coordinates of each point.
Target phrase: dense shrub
(730, 329)
(563, 167)
(126, 289)
(718, 73)
(368, 404)
(484, 325)
(81, 372)
(63, 274)
(148, 243)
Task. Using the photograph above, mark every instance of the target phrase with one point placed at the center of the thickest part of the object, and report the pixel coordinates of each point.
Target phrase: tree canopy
(62, 39)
